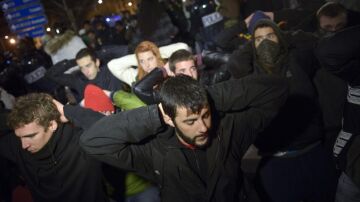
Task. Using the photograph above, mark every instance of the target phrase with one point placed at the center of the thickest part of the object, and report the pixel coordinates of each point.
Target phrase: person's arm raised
(122, 69)
(79, 116)
(118, 139)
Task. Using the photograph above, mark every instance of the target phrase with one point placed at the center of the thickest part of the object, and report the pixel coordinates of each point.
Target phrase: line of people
(160, 126)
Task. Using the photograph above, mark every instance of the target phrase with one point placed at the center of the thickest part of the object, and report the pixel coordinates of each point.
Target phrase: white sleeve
(166, 51)
(7, 99)
(122, 68)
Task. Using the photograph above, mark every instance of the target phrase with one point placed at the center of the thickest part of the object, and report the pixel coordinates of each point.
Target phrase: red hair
(143, 47)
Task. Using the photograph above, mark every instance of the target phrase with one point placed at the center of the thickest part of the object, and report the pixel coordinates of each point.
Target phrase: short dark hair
(86, 52)
(37, 107)
(182, 91)
(331, 9)
(179, 56)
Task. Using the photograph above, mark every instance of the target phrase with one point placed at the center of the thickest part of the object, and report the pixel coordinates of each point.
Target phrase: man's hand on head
(60, 108)
(248, 19)
(161, 109)
(166, 118)
(168, 71)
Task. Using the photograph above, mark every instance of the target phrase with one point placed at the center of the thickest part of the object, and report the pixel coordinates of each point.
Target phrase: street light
(130, 4)
(6, 37)
(12, 41)
(100, 1)
(48, 29)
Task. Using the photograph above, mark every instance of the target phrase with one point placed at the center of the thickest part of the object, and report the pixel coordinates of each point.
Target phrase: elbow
(146, 97)
(138, 91)
(86, 142)
(110, 66)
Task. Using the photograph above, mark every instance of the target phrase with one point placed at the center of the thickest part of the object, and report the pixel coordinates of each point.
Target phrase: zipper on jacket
(196, 160)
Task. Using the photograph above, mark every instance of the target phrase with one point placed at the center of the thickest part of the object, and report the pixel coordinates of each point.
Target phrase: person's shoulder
(68, 132)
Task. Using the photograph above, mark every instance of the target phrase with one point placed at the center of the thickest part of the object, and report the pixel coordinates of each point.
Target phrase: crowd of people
(163, 107)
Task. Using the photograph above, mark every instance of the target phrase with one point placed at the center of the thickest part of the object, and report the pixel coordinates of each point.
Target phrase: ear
(166, 118)
(97, 62)
(53, 125)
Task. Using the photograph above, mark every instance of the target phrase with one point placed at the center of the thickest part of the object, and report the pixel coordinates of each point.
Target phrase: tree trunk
(70, 15)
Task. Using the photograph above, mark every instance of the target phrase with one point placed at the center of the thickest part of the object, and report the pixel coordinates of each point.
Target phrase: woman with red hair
(147, 57)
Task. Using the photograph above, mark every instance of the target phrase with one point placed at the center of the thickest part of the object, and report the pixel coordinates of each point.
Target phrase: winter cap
(97, 100)
(258, 15)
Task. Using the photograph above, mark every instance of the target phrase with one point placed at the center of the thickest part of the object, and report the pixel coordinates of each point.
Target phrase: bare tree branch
(59, 5)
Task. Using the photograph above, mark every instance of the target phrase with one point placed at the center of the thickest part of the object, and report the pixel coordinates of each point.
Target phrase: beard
(191, 141)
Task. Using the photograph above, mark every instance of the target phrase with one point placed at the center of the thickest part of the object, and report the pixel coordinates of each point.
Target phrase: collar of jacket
(47, 153)
(46, 157)
(173, 142)
(170, 139)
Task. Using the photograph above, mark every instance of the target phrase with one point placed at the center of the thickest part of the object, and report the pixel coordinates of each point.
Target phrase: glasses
(270, 36)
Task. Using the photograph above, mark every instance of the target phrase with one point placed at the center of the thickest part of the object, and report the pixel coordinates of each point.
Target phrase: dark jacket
(77, 81)
(339, 55)
(137, 140)
(298, 123)
(61, 171)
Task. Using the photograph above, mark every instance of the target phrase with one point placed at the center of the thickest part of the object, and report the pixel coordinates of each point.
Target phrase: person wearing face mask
(340, 56)
(294, 161)
(328, 19)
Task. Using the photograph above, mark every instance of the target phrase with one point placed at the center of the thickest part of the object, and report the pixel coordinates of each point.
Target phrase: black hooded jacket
(340, 55)
(298, 123)
(61, 170)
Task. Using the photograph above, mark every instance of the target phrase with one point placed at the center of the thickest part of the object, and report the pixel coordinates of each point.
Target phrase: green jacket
(127, 101)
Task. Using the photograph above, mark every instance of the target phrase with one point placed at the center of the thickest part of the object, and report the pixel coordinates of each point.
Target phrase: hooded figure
(270, 49)
(294, 160)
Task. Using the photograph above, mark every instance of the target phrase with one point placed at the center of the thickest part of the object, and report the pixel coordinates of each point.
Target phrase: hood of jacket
(284, 46)
(56, 43)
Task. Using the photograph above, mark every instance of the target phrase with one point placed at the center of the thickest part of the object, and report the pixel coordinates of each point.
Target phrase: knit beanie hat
(258, 15)
(97, 100)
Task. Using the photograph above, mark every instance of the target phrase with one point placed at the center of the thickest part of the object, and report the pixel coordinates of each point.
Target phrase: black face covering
(268, 53)
(321, 33)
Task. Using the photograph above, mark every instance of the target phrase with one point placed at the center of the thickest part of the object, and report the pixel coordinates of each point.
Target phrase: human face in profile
(34, 137)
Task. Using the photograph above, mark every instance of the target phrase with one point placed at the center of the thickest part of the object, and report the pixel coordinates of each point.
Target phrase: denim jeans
(309, 177)
(347, 191)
